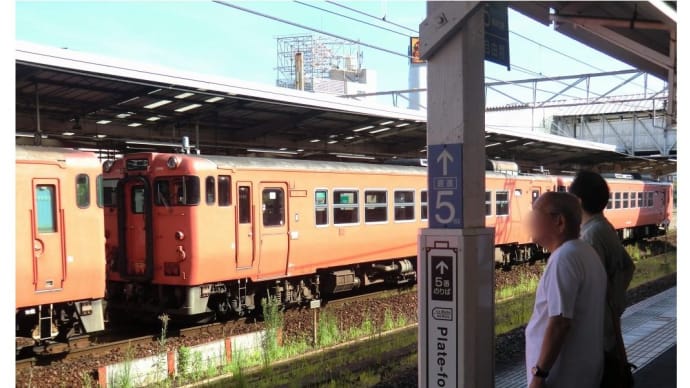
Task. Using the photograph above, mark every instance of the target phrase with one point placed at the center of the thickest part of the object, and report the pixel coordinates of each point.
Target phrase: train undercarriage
(240, 297)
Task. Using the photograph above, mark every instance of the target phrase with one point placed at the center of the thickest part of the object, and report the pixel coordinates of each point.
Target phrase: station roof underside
(142, 107)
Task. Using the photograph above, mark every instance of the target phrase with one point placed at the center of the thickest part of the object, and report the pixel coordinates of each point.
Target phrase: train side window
(617, 201)
(345, 207)
(404, 205)
(625, 200)
(650, 199)
(273, 206)
(633, 203)
(375, 206)
(610, 204)
(640, 200)
(210, 190)
(82, 187)
(46, 220)
(425, 205)
(487, 203)
(321, 207)
(245, 205)
(502, 203)
(137, 199)
(224, 190)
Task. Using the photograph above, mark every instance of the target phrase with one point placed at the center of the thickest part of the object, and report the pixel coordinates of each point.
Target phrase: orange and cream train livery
(60, 261)
(191, 235)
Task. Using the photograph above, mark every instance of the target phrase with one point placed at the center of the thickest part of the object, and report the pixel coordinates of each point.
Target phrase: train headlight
(179, 236)
(173, 162)
(107, 165)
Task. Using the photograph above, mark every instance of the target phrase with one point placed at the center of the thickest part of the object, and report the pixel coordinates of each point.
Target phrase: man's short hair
(592, 190)
(568, 206)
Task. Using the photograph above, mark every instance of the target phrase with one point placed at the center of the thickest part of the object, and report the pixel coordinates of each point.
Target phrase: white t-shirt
(574, 286)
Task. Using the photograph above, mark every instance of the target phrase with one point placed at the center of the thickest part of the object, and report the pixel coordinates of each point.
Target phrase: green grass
(653, 268)
(527, 284)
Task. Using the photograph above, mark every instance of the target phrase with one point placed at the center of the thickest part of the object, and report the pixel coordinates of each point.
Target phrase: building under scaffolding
(322, 64)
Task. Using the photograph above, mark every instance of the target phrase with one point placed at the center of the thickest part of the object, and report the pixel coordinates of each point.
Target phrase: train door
(244, 247)
(273, 230)
(535, 192)
(48, 241)
(135, 231)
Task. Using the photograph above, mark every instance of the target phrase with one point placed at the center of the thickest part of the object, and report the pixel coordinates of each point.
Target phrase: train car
(637, 208)
(60, 260)
(191, 235)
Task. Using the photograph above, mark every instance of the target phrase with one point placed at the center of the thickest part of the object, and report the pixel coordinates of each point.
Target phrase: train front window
(345, 207)
(502, 203)
(177, 191)
(83, 193)
(109, 192)
(321, 207)
(404, 205)
(210, 190)
(425, 205)
(45, 209)
(138, 199)
(273, 206)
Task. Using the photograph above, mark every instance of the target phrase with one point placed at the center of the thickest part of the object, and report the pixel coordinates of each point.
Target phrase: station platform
(649, 333)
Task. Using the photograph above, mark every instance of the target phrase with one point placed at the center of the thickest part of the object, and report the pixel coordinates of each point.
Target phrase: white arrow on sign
(445, 157)
(442, 266)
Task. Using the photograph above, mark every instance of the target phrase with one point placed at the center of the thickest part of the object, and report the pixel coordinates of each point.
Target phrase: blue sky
(206, 37)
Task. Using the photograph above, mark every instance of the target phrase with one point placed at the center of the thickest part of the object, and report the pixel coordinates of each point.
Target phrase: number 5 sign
(445, 186)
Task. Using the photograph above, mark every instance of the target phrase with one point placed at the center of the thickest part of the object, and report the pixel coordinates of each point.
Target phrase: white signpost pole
(456, 326)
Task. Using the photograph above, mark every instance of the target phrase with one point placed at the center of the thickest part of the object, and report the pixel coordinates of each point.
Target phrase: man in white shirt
(564, 338)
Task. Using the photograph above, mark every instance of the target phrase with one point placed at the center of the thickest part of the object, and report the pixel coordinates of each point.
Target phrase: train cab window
(99, 190)
(245, 205)
(640, 200)
(46, 221)
(83, 193)
(502, 203)
(321, 207)
(650, 199)
(617, 200)
(345, 207)
(610, 204)
(210, 190)
(273, 206)
(176, 191)
(375, 206)
(633, 203)
(425, 205)
(137, 199)
(561, 189)
(224, 190)
(487, 203)
(535, 196)
(625, 200)
(109, 192)
(404, 205)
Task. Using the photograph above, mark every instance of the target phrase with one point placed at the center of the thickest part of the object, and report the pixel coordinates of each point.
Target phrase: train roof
(54, 154)
(237, 162)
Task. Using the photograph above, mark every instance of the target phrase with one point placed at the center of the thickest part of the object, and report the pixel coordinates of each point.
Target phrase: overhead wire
(371, 16)
(311, 28)
(354, 19)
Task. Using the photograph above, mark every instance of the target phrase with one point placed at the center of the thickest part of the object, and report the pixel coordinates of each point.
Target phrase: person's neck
(586, 216)
(557, 242)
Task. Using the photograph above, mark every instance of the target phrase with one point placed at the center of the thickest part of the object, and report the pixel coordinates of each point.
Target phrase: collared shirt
(601, 235)
(573, 286)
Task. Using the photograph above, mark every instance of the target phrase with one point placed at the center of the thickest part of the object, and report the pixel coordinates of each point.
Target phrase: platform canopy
(92, 102)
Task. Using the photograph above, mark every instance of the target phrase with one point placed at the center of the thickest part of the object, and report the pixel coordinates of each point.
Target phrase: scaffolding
(320, 55)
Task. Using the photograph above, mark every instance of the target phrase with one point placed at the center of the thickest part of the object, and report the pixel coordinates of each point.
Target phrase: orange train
(60, 261)
(192, 235)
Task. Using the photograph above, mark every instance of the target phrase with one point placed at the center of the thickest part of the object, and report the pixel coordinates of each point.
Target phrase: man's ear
(560, 224)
